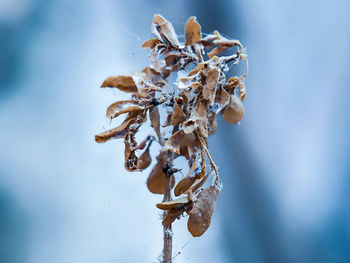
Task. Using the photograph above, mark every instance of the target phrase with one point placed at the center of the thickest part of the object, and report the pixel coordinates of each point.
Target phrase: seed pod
(203, 208)
(234, 111)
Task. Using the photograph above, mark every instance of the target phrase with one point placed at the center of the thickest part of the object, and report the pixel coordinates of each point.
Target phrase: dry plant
(200, 94)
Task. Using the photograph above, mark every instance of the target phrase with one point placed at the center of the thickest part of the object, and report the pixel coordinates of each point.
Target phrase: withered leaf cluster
(191, 107)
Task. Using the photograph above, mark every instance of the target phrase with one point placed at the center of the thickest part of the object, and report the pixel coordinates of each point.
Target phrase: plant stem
(167, 233)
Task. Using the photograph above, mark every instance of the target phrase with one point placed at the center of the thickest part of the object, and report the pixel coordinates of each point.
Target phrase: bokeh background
(285, 168)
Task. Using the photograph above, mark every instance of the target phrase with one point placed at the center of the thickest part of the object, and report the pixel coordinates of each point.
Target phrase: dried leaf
(124, 83)
(222, 41)
(167, 121)
(144, 160)
(200, 215)
(192, 31)
(151, 43)
(139, 79)
(202, 118)
(212, 123)
(177, 116)
(234, 111)
(222, 98)
(199, 183)
(184, 152)
(189, 126)
(177, 203)
(172, 59)
(242, 91)
(126, 110)
(200, 67)
(164, 30)
(155, 120)
(175, 213)
(199, 50)
(120, 131)
(184, 185)
(131, 159)
(117, 106)
(197, 87)
(217, 51)
(186, 182)
(174, 142)
(156, 179)
(210, 86)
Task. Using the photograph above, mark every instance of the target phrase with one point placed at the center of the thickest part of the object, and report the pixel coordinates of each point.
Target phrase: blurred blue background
(285, 168)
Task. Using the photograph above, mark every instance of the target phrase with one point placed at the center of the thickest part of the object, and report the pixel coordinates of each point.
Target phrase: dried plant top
(191, 106)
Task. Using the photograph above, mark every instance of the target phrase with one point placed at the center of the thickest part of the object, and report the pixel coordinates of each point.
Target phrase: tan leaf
(186, 182)
(131, 159)
(116, 106)
(234, 111)
(164, 30)
(242, 91)
(212, 123)
(202, 211)
(179, 139)
(177, 116)
(199, 50)
(156, 179)
(151, 43)
(126, 110)
(175, 213)
(199, 183)
(174, 142)
(222, 98)
(210, 86)
(172, 59)
(189, 126)
(155, 120)
(139, 79)
(222, 41)
(192, 31)
(120, 131)
(124, 83)
(173, 203)
(200, 67)
(197, 87)
(217, 51)
(202, 118)
(184, 152)
(184, 185)
(144, 160)
(167, 121)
